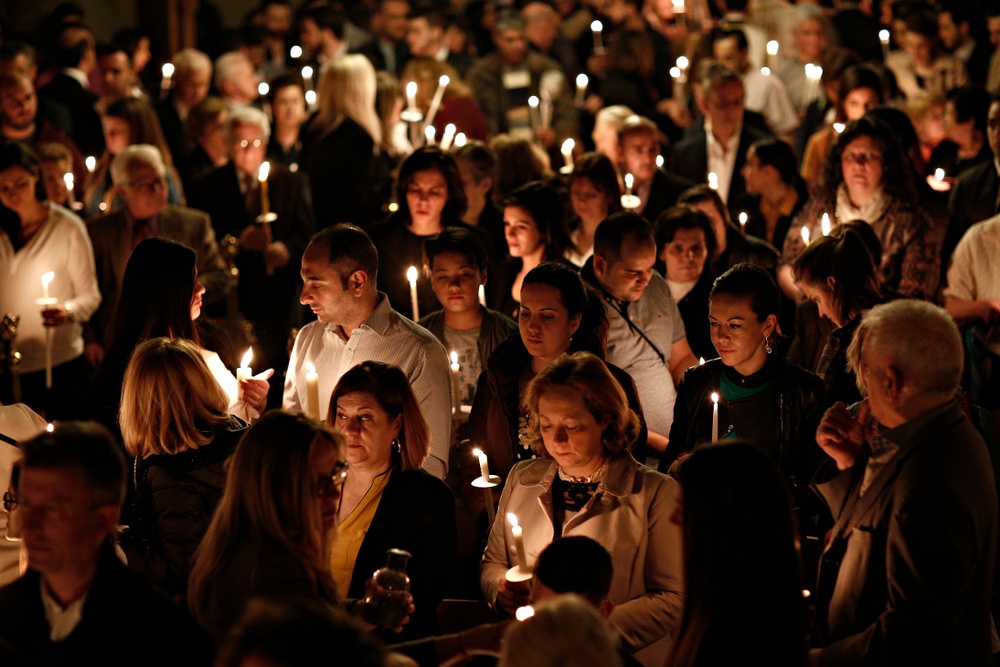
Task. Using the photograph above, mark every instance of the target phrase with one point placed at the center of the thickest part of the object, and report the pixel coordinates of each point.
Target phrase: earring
(767, 345)
(395, 445)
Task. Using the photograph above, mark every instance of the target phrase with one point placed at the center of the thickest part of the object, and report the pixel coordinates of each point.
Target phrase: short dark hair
(68, 51)
(84, 445)
(326, 17)
(457, 240)
(285, 80)
(778, 154)
(432, 157)
(733, 33)
(576, 564)
(480, 157)
(350, 249)
(971, 101)
(435, 16)
(924, 23)
(113, 48)
(683, 216)
(637, 123)
(616, 229)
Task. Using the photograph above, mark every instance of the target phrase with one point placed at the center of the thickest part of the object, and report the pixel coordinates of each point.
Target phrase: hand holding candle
(244, 372)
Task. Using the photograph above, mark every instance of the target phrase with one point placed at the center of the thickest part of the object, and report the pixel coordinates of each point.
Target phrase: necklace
(596, 476)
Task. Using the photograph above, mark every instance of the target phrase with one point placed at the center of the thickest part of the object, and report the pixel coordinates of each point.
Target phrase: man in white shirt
(356, 323)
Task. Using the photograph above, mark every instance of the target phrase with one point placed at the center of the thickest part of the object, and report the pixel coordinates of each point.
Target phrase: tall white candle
(438, 97)
(482, 295)
(262, 174)
(456, 389)
(567, 155)
(516, 533)
(772, 53)
(596, 27)
(824, 224)
(167, 82)
(883, 36)
(484, 466)
(533, 112)
(582, 80)
(411, 276)
(312, 392)
(715, 417)
(448, 137)
(629, 182)
(46, 302)
(429, 134)
(411, 95)
(244, 372)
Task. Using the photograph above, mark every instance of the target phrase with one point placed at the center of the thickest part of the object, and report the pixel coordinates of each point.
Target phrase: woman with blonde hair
(458, 105)
(175, 421)
(342, 144)
(271, 533)
(388, 501)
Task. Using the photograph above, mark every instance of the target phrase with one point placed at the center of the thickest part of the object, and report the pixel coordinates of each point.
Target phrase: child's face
(456, 280)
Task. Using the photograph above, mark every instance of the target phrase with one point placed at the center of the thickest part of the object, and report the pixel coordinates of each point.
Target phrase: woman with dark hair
(594, 194)
(287, 98)
(38, 237)
(742, 575)
(629, 78)
(684, 242)
(128, 121)
(860, 89)
(430, 197)
(387, 501)
(534, 226)
(161, 296)
(518, 161)
(775, 191)
(559, 313)
(966, 144)
(762, 398)
(838, 273)
(867, 177)
(584, 482)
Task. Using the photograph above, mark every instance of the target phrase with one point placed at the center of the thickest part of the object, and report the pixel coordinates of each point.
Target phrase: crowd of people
(413, 332)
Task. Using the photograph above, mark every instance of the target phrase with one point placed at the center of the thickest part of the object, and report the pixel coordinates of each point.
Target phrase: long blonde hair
(347, 90)
(171, 402)
(270, 496)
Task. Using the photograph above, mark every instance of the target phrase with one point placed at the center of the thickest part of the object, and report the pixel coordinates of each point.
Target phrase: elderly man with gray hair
(906, 576)
(139, 174)
(191, 81)
(270, 222)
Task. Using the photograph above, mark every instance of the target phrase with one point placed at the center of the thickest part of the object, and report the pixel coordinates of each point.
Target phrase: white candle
(70, 195)
(482, 295)
(411, 95)
(448, 137)
(263, 88)
(629, 182)
(677, 77)
(46, 279)
(582, 80)
(533, 111)
(838, 127)
(484, 466)
(46, 302)
(567, 155)
(715, 417)
(311, 99)
(262, 174)
(429, 134)
(244, 372)
(805, 234)
(438, 96)
(824, 224)
(312, 392)
(743, 222)
(938, 173)
(411, 276)
(295, 51)
(772, 53)
(596, 27)
(713, 180)
(456, 390)
(883, 36)
(701, 361)
(460, 140)
(516, 533)
(814, 73)
(168, 72)
(91, 163)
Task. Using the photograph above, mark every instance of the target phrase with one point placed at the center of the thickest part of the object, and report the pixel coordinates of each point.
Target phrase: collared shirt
(62, 620)
(77, 74)
(388, 337)
(767, 96)
(722, 158)
(974, 273)
(885, 444)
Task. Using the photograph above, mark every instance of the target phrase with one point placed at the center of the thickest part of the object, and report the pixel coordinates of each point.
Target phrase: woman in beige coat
(587, 483)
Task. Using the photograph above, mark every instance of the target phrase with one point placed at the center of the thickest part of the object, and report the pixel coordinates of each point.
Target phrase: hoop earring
(395, 445)
(767, 345)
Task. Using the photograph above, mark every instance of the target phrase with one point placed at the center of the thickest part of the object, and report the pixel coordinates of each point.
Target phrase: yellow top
(351, 533)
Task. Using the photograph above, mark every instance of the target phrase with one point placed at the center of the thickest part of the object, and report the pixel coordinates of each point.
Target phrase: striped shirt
(388, 337)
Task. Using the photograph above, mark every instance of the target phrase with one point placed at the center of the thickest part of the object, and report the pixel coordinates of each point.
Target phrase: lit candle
(516, 533)
(263, 88)
(70, 195)
(567, 155)
(743, 222)
(596, 27)
(766, 71)
(244, 372)
(813, 74)
(460, 140)
(629, 200)
(456, 390)
(883, 36)
(715, 417)
(533, 111)
(312, 392)
(713, 180)
(629, 182)
(482, 295)
(411, 276)
(824, 224)
(701, 361)
(167, 82)
(262, 174)
(429, 134)
(295, 52)
(438, 96)
(838, 127)
(524, 613)
(805, 234)
(484, 466)
(582, 80)
(45, 302)
(937, 182)
(448, 137)
(772, 53)
(311, 98)
(46, 279)
(91, 163)
(659, 162)
(677, 77)
(307, 77)
(411, 114)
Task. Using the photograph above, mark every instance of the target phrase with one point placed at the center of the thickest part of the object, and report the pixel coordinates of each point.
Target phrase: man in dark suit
(140, 176)
(425, 37)
(638, 148)
(268, 252)
(76, 56)
(191, 81)
(387, 50)
(976, 195)
(719, 145)
(78, 603)
(906, 576)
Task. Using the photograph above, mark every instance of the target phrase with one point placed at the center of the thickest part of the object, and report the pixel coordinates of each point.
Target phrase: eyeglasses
(149, 186)
(9, 501)
(862, 158)
(244, 144)
(333, 482)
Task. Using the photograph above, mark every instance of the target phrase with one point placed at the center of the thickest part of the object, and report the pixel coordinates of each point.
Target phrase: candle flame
(295, 51)
(533, 101)
(307, 72)
(444, 80)
(701, 361)
(629, 180)
(683, 62)
(675, 72)
(247, 358)
(596, 26)
(450, 128)
(430, 133)
(772, 47)
(883, 36)
(262, 88)
(743, 218)
(50, 427)
(659, 162)
(393, 207)
(265, 170)
(524, 613)
(310, 368)
(838, 127)
(939, 174)
(582, 80)
(168, 69)
(805, 235)
(713, 180)
(411, 88)
(766, 71)
(568, 146)
(310, 97)
(825, 224)
(715, 397)
(48, 278)
(68, 179)
(512, 518)
(91, 162)
(411, 275)
(454, 357)
(478, 453)
(460, 140)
